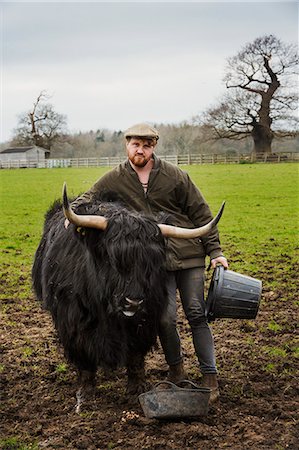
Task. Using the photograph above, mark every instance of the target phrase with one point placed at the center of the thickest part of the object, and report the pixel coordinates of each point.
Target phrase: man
(149, 184)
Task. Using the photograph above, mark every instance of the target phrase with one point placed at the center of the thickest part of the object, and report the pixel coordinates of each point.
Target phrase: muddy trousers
(190, 284)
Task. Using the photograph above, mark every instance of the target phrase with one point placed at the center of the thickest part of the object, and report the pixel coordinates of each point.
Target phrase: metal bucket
(232, 295)
(175, 402)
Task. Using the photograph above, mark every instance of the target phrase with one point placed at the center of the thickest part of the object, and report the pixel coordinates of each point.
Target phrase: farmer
(151, 185)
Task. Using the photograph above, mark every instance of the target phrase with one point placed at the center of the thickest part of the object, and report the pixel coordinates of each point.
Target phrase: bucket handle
(192, 385)
(168, 383)
(176, 387)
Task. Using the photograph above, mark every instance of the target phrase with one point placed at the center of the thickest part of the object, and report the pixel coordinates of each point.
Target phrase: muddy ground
(258, 408)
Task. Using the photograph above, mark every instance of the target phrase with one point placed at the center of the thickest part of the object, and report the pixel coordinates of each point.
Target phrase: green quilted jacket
(169, 190)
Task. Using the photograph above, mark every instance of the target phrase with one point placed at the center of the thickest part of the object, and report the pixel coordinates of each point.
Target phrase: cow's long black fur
(82, 276)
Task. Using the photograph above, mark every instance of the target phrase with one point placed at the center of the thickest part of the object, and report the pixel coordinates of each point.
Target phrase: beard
(139, 160)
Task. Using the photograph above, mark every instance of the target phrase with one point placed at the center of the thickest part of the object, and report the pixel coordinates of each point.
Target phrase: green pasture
(259, 228)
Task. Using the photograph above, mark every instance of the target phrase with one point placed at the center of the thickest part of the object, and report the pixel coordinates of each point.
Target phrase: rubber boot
(210, 380)
(176, 373)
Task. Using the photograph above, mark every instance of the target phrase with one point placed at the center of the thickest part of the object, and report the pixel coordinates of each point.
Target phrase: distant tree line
(256, 114)
(180, 139)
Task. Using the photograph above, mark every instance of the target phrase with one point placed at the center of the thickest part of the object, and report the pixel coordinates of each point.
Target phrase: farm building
(31, 156)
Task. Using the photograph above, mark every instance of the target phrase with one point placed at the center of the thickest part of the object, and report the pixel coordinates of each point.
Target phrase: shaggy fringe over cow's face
(129, 255)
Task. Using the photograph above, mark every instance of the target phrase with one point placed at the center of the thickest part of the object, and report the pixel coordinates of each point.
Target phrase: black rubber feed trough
(175, 402)
(232, 295)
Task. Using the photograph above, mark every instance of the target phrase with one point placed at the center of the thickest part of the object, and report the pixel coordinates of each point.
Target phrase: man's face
(140, 151)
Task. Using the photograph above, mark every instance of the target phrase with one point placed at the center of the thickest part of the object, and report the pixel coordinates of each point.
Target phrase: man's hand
(220, 260)
(66, 223)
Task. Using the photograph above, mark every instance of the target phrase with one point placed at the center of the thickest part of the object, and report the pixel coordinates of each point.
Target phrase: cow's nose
(131, 306)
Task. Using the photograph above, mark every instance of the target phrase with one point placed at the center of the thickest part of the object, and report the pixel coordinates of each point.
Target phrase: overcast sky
(110, 65)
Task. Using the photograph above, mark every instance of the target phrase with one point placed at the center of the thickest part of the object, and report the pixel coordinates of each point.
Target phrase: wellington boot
(176, 373)
(210, 380)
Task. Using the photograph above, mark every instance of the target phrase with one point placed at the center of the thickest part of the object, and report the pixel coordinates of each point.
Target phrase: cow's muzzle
(131, 306)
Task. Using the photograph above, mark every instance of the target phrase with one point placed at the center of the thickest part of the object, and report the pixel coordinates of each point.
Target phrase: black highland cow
(103, 281)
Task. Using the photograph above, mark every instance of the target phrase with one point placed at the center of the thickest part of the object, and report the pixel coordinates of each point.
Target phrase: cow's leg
(136, 375)
(87, 382)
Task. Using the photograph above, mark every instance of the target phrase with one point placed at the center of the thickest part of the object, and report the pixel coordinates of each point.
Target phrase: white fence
(175, 159)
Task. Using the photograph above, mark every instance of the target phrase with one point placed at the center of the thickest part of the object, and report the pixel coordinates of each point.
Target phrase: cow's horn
(186, 233)
(98, 222)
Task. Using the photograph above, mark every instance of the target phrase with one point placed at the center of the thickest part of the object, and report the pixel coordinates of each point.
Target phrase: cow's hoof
(134, 389)
(83, 395)
(80, 400)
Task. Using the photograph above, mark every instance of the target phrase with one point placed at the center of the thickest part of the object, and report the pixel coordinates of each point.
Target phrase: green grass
(259, 228)
(26, 195)
(262, 200)
(61, 368)
(13, 443)
(259, 225)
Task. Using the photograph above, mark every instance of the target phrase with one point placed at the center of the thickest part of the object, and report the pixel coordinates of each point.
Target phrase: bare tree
(263, 94)
(178, 139)
(41, 125)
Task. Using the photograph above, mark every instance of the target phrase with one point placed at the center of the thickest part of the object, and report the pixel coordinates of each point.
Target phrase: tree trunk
(261, 133)
(37, 139)
(262, 138)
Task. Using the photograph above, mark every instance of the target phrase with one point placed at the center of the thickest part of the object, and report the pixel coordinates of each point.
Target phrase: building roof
(21, 149)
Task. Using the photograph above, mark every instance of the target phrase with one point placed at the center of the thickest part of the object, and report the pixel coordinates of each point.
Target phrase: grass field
(261, 215)
(256, 359)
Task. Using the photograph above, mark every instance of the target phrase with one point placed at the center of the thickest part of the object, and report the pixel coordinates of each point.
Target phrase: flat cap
(142, 130)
